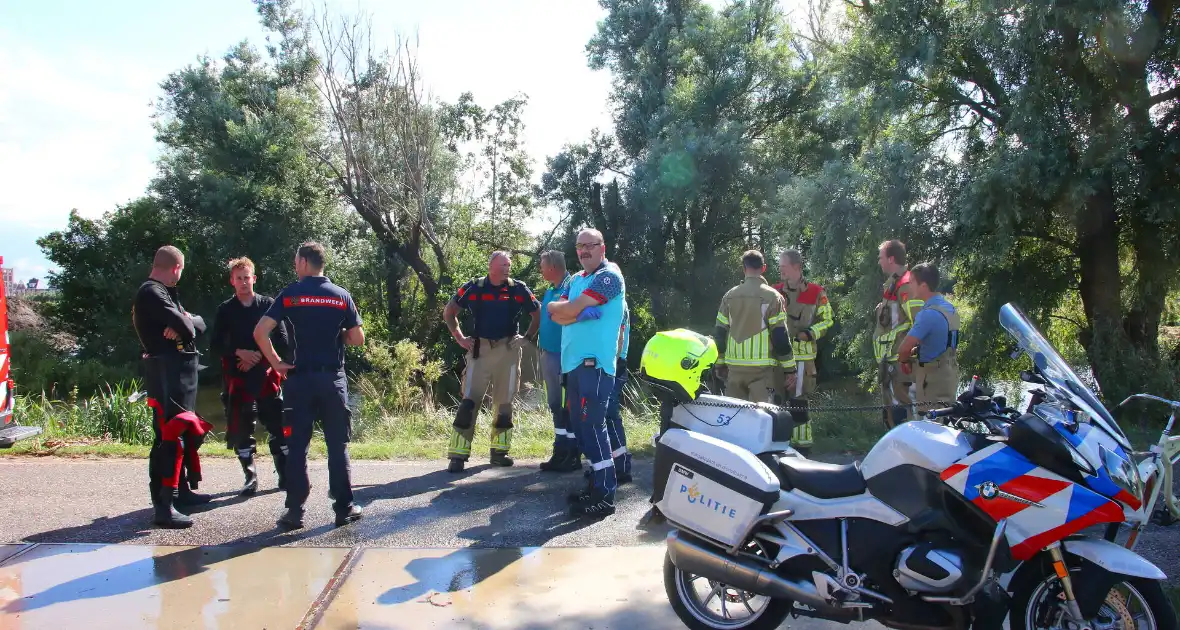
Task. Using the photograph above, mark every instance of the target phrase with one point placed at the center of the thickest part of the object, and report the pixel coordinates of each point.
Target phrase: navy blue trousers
(324, 396)
(588, 390)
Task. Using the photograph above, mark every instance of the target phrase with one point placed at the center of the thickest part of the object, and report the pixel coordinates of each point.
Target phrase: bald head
(499, 266)
(167, 257)
(167, 265)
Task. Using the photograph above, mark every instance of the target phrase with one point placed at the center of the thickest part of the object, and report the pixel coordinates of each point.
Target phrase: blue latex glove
(592, 312)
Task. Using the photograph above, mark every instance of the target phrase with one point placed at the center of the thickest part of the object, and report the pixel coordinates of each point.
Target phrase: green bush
(108, 416)
(40, 368)
(399, 380)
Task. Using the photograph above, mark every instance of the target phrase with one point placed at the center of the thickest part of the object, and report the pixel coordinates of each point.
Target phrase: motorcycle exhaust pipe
(692, 557)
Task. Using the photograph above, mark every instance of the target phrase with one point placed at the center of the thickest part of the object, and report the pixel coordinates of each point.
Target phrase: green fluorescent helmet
(673, 360)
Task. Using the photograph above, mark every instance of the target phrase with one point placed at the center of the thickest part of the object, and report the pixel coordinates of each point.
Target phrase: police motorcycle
(970, 517)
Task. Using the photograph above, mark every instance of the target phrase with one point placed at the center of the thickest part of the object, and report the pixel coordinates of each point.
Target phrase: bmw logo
(989, 490)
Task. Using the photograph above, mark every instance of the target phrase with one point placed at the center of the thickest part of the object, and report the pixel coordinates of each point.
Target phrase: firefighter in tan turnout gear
(809, 317)
(894, 317)
(496, 303)
(751, 336)
(934, 339)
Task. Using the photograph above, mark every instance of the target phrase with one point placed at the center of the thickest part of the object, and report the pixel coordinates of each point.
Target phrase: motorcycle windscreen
(1054, 368)
(711, 487)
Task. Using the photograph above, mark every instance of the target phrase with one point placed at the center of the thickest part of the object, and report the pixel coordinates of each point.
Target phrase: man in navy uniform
(495, 302)
(322, 318)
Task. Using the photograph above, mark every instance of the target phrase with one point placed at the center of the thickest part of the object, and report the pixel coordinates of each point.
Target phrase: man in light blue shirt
(589, 354)
(566, 455)
(935, 333)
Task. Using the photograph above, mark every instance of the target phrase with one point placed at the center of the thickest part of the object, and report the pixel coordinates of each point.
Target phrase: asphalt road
(407, 504)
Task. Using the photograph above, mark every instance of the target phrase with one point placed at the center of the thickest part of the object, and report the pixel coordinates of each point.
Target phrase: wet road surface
(488, 548)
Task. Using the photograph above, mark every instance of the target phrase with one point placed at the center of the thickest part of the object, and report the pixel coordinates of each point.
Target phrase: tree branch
(1164, 96)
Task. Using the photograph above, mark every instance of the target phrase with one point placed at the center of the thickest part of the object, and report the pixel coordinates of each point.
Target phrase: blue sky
(78, 78)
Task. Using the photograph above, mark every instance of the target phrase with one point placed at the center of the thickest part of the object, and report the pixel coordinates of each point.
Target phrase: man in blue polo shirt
(589, 352)
(566, 456)
(322, 317)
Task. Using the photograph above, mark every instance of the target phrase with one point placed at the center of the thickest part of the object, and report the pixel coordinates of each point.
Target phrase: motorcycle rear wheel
(720, 606)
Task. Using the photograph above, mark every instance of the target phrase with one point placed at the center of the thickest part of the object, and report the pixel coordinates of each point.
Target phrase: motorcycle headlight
(1124, 474)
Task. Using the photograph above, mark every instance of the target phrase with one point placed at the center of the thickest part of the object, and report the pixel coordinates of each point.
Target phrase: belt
(318, 369)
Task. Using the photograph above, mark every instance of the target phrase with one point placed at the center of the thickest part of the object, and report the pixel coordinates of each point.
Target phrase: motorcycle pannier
(711, 487)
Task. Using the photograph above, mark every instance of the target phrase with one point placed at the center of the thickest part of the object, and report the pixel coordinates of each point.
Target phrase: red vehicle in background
(10, 432)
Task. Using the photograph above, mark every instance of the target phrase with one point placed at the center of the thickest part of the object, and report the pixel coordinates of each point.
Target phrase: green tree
(698, 94)
(236, 178)
(1035, 145)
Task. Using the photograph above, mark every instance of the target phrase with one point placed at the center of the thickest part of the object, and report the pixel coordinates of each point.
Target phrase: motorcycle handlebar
(938, 413)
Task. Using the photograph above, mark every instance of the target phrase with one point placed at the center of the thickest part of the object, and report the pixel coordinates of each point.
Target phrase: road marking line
(316, 611)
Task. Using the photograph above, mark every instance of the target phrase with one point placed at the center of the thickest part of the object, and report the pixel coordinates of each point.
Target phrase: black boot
(560, 454)
(353, 513)
(653, 518)
(251, 484)
(501, 458)
(281, 470)
(184, 495)
(595, 505)
(456, 465)
(165, 515)
(292, 518)
(583, 493)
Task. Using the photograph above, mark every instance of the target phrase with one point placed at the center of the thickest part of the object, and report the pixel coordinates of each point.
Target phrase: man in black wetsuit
(251, 388)
(167, 335)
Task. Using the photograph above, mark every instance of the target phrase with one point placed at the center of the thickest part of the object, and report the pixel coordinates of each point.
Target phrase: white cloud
(74, 133)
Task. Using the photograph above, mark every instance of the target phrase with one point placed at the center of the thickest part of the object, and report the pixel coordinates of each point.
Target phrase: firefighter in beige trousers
(894, 317)
(751, 336)
(496, 303)
(809, 317)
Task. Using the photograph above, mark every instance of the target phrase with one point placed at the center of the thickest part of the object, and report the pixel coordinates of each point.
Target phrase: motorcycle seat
(820, 480)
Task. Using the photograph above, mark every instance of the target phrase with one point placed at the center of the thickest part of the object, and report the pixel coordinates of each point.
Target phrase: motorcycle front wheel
(705, 604)
(1132, 604)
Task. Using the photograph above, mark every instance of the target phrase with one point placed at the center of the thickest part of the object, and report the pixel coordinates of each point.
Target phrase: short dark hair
(753, 260)
(895, 249)
(313, 253)
(927, 274)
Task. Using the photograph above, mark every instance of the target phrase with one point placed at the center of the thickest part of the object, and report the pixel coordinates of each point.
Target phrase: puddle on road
(131, 586)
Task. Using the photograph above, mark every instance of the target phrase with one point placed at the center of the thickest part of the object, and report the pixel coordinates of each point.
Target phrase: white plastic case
(735, 421)
(711, 486)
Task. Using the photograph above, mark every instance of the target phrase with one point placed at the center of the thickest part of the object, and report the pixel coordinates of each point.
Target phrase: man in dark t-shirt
(251, 388)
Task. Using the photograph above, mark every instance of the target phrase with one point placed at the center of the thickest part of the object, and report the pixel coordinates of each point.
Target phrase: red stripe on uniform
(596, 296)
